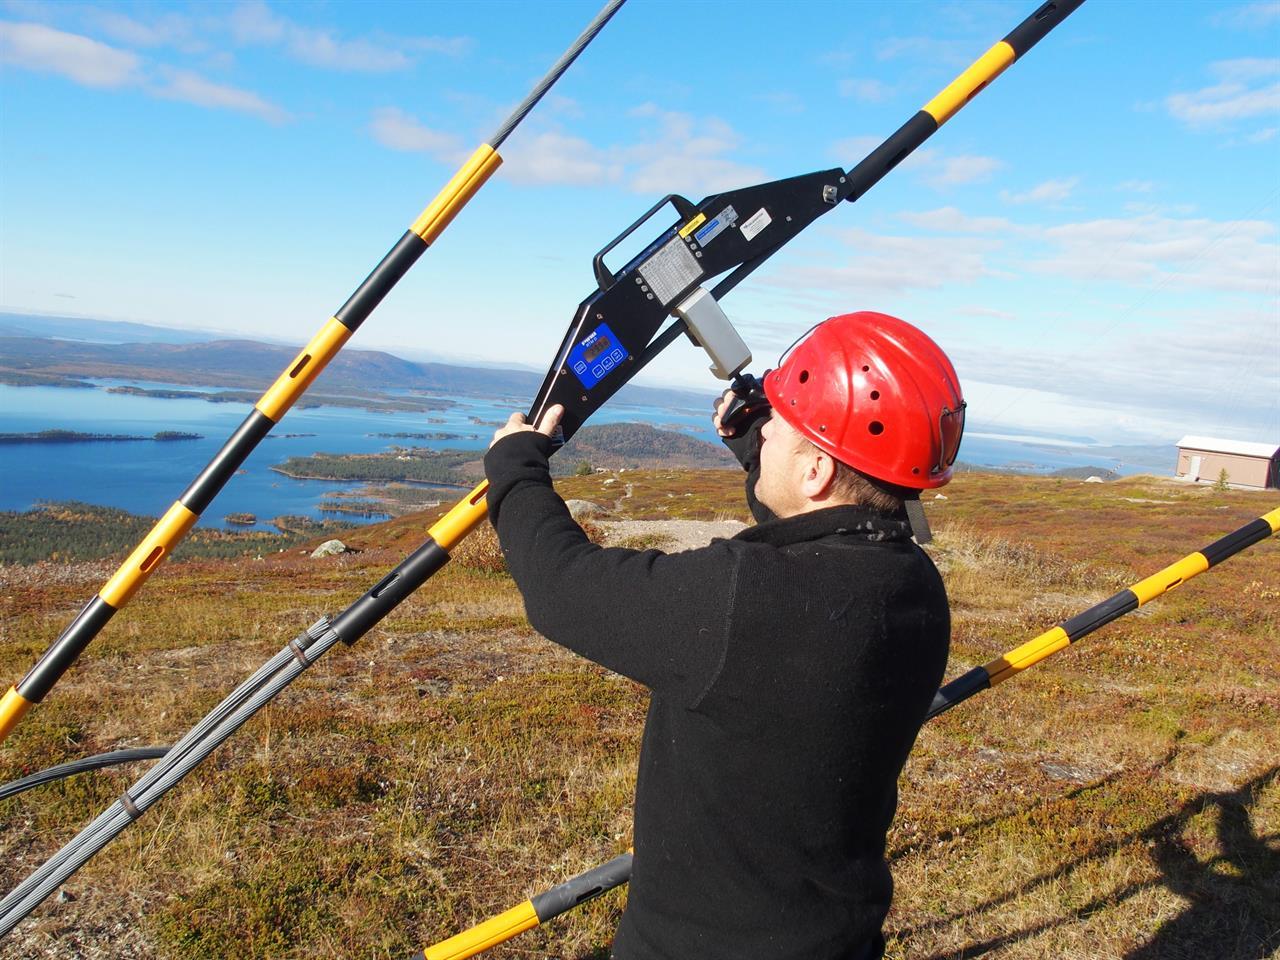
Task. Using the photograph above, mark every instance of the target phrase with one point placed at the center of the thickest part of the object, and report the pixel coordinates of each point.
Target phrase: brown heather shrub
(480, 550)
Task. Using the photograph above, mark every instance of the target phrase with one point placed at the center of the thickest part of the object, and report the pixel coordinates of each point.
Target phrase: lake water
(146, 476)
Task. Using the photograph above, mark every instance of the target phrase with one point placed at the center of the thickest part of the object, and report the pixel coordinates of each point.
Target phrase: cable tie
(130, 807)
(299, 653)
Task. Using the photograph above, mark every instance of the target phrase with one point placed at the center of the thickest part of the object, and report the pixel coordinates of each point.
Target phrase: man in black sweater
(790, 668)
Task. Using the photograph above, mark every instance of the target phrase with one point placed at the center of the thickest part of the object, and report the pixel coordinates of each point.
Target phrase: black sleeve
(746, 447)
(660, 619)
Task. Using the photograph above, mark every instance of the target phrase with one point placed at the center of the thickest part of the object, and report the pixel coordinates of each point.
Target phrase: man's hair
(859, 489)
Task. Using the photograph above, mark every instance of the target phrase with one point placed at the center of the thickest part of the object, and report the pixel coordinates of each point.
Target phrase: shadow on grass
(1233, 912)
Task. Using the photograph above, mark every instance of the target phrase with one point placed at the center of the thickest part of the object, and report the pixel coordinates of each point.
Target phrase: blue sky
(1093, 239)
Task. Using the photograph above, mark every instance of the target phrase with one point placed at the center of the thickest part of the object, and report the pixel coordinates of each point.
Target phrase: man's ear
(819, 474)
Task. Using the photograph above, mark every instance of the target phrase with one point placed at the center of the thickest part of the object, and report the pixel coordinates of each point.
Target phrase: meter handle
(747, 403)
(686, 210)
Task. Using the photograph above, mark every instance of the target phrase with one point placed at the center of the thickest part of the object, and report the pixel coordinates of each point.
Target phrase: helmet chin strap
(920, 531)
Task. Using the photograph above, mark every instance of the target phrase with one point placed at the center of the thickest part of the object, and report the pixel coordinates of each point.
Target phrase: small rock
(584, 508)
(1065, 771)
(66, 896)
(939, 496)
(1094, 479)
(329, 548)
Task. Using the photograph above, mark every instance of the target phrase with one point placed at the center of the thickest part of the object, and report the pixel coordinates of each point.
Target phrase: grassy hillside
(1120, 800)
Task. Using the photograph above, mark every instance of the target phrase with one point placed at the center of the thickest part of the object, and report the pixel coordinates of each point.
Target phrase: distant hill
(638, 446)
(96, 331)
(252, 364)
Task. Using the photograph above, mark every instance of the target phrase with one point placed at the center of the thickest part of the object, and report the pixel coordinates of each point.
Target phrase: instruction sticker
(724, 219)
(670, 271)
(752, 226)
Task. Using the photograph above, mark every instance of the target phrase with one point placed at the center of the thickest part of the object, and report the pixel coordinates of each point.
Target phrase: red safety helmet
(876, 394)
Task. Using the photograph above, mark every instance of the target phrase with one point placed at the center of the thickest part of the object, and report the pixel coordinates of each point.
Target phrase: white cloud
(863, 90)
(935, 168)
(87, 62)
(1195, 377)
(783, 101)
(684, 153)
(687, 154)
(254, 22)
(878, 264)
(953, 171)
(1238, 95)
(168, 30)
(1050, 191)
(850, 150)
(1150, 250)
(1246, 68)
(1263, 135)
(951, 220)
(394, 128)
(1250, 16)
(1136, 186)
(550, 157)
(192, 88)
(928, 49)
(94, 64)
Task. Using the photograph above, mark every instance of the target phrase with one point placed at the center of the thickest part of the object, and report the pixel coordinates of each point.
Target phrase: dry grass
(1120, 800)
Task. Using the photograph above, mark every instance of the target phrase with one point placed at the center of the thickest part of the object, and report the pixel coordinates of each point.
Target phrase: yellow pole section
(1170, 577)
(485, 935)
(1273, 520)
(471, 177)
(1029, 654)
(306, 366)
(462, 519)
(13, 708)
(155, 546)
(970, 83)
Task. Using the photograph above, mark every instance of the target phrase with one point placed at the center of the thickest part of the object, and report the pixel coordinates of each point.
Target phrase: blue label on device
(595, 357)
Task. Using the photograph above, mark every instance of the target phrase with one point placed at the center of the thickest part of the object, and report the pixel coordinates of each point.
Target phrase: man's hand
(516, 424)
(721, 406)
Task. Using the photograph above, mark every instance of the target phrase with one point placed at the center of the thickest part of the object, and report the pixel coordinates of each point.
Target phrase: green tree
(583, 469)
(1221, 485)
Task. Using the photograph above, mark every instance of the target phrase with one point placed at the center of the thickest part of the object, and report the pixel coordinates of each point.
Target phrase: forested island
(75, 436)
(307, 401)
(613, 446)
(408, 466)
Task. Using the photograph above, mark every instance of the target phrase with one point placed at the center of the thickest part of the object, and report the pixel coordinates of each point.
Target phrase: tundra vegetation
(1122, 799)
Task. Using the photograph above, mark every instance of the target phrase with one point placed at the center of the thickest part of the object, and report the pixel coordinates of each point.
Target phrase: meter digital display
(595, 356)
(600, 346)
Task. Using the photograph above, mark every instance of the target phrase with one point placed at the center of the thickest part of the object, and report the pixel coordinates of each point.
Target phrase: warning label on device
(670, 270)
(752, 226)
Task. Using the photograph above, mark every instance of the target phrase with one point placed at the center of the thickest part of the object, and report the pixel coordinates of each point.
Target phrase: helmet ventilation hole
(804, 376)
(865, 368)
(876, 428)
(915, 469)
(875, 394)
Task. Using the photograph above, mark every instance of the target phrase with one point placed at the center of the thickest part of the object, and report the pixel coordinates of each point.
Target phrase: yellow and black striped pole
(617, 871)
(275, 403)
(531, 913)
(957, 93)
(1083, 624)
